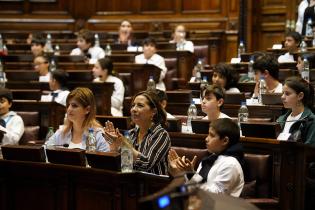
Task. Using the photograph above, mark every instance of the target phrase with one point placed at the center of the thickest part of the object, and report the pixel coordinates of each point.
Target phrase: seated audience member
(292, 43)
(212, 102)
(58, 86)
(11, 124)
(125, 33)
(29, 38)
(41, 64)
(81, 111)
(150, 142)
(298, 124)
(221, 171)
(163, 101)
(103, 72)
(149, 56)
(37, 45)
(266, 65)
(179, 37)
(85, 43)
(224, 75)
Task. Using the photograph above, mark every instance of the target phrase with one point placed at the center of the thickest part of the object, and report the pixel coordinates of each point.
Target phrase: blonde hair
(84, 97)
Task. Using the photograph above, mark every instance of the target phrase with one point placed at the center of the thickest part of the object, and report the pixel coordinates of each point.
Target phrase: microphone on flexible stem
(58, 145)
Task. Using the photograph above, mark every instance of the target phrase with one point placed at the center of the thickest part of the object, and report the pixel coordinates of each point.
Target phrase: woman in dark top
(150, 141)
(305, 12)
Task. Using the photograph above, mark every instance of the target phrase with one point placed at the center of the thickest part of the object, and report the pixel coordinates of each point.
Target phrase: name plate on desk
(74, 157)
(104, 160)
(23, 153)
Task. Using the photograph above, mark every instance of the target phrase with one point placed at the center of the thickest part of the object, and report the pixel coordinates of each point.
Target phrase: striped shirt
(154, 149)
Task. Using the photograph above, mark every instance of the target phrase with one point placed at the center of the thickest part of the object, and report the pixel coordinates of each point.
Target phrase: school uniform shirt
(278, 89)
(117, 97)
(153, 150)
(222, 115)
(186, 46)
(44, 78)
(158, 61)
(14, 128)
(233, 90)
(59, 139)
(225, 176)
(60, 96)
(286, 58)
(95, 52)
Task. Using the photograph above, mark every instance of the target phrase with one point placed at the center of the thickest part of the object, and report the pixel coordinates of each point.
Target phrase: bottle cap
(243, 103)
(91, 130)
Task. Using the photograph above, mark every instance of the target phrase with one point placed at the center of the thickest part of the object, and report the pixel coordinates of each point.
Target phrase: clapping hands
(180, 164)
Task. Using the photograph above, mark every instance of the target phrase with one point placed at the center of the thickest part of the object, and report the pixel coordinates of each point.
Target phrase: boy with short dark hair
(292, 42)
(221, 171)
(267, 66)
(58, 86)
(11, 124)
(149, 56)
(85, 43)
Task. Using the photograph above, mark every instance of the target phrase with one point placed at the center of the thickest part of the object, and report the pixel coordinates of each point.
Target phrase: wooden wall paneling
(230, 45)
(15, 7)
(202, 6)
(159, 7)
(49, 7)
(270, 18)
(118, 7)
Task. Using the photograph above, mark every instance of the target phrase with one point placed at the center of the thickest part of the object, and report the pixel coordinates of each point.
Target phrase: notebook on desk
(261, 129)
(104, 160)
(200, 126)
(23, 153)
(64, 156)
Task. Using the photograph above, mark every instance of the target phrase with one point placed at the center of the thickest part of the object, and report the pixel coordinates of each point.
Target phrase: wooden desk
(102, 91)
(30, 185)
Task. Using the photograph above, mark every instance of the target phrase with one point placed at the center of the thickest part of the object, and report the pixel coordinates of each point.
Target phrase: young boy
(41, 64)
(221, 171)
(37, 45)
(57, 83)
(212, 102)
(85, 43)
(266, 65)
(149, 56)
(11, 124)
(292, 43)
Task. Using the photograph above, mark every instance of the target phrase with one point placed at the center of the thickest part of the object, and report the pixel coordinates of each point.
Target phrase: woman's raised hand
(112, 136)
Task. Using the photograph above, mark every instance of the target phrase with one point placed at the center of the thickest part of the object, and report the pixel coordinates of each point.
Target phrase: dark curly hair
(228, 73)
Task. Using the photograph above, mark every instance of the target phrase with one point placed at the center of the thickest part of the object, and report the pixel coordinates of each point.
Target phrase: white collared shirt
(286, 58)
(225, 176)
(95, 52)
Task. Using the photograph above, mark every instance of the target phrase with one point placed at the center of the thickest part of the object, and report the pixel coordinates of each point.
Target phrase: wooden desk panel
(29, 185)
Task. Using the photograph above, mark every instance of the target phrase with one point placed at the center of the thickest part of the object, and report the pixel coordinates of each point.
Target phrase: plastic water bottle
(49, 134)
(91, 141)
(52, 65)
(108, 50)
(262, 88)
(96, 40)
(308, 30)
(241, 49)
(306, 70)
(251, 73)
(126, 156)
(303, 46)
(243, 113)
(151, 84)
(191, 114)
(57, 50)
(199, 68)
(48, 46)
(2, 76)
